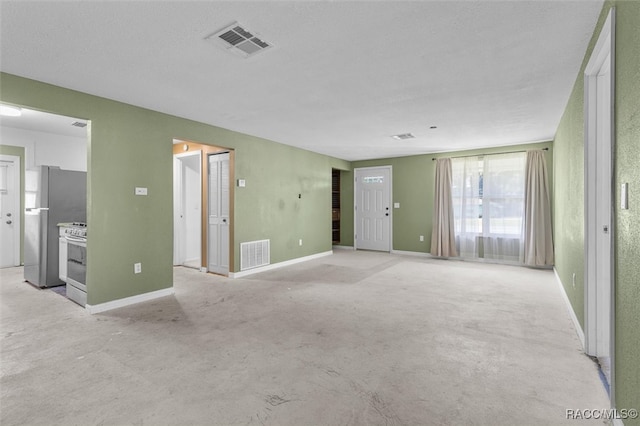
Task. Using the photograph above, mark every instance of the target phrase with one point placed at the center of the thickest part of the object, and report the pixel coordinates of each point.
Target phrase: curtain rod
(480, 155)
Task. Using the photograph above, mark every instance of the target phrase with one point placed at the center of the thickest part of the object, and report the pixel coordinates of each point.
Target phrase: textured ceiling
(341, 78)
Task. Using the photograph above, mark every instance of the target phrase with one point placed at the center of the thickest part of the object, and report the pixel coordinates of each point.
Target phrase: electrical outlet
(137, 268)
(141, 191)
(300, 242)
(421, 237)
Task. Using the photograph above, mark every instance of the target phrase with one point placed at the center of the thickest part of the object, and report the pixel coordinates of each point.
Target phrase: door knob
(9, 222)
(386, 214)
(8, 214)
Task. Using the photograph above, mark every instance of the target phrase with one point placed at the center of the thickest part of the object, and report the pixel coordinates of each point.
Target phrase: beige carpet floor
(357, 338)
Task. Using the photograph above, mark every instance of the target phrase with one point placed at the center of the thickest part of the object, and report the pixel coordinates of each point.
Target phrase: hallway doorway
(187, 210)
(197, 243)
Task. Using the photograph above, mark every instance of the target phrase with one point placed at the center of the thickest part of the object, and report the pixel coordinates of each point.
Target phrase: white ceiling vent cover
(404, 136)
(239, 40)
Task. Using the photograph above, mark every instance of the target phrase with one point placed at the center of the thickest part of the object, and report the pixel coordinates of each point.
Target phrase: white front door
(219, 190)
(372, 208)
(9, 211)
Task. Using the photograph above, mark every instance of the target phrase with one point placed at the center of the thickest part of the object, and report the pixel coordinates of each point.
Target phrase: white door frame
(355, 204)
(597, 312)
(179, 226)
(17, 207)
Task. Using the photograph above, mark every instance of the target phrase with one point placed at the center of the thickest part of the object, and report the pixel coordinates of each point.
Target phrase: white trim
(132, 300)
(412, 253)
(617, 422)
(344, 248)
(572, 313)
(279, 265)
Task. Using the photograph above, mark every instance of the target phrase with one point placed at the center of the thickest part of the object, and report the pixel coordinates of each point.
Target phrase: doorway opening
(373, 208)
(36, 139)
(188, 209)
(203, 181)
(599, 195)
(10, 210)
(335, 206)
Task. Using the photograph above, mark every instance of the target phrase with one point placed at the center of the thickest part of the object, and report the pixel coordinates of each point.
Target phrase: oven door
(77, 262)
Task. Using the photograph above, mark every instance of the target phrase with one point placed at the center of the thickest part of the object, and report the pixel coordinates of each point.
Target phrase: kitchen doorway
(9, 211)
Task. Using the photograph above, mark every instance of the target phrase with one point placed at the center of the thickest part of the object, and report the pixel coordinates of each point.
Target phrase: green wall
(287, 195)
(413, 188)
(18, 151)
(569, 198)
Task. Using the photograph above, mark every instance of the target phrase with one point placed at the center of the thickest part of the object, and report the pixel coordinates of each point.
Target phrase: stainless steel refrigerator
(60, 196)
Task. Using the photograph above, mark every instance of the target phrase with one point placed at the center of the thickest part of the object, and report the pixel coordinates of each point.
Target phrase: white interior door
(599, 231)
(219, 203)
(187, 206)
(9, 211)
(372, 208)
(603, 212)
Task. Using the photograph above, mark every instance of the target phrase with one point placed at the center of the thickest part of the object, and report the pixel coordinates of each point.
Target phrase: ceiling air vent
(403, 136)
(239, 40)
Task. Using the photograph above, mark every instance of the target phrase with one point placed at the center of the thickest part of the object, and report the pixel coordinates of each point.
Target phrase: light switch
(624, 196)
(141, 191)
(396, 205)
(241, 183)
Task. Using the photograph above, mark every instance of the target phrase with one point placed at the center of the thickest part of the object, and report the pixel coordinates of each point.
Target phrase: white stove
(74, 230)
(75, 260)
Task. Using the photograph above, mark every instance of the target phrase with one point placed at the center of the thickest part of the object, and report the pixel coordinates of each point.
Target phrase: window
(488, 204)
(373, 179)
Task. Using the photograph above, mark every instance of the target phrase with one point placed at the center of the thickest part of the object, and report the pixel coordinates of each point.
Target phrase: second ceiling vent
(239, 40)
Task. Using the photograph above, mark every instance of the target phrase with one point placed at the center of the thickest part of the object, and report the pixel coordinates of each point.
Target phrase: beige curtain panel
(443, 240)
(538, 239)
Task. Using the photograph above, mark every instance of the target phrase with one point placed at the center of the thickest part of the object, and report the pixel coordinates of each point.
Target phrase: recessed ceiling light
(403, 136)
(10, 111)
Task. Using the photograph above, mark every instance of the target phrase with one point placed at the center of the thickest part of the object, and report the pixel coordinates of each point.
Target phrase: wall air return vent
(237, 39)
(254, 254)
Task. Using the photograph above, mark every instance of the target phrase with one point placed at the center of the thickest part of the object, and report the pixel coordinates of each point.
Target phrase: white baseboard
(576, 323)
(411, 253)
(114, 304)
(279, 265)
(344, 247)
